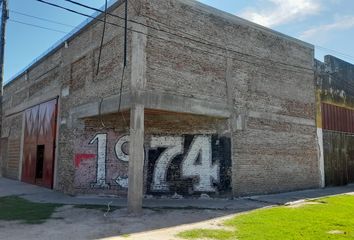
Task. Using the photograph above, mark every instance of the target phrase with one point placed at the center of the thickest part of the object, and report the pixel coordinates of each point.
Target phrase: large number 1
(101, 159)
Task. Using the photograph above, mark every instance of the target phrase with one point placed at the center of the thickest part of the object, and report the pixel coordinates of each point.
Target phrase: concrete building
(335, 120)
(210, 103)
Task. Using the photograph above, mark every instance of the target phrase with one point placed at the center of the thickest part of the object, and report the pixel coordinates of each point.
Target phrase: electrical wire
(197, 41)
(135, 9)
(77, 12)
(99, 61)
(102, 38)
(37, 26)
(133, 21)
(138, 12)
(125, 61)
(42, 19)
(336, 52)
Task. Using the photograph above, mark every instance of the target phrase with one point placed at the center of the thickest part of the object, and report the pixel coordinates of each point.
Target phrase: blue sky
(328, 24)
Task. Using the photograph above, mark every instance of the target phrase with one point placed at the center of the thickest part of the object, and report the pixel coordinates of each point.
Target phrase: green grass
(14, 208)
(331, 218)
(208, 234)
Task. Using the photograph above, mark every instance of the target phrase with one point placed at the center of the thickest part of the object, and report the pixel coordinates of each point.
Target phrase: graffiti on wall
(184, 164)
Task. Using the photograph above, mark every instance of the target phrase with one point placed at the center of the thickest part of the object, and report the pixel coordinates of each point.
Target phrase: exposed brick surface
(264, 78)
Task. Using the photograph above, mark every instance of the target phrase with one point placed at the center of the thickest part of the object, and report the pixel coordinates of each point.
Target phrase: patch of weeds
(216, 234)
(13, 208)
(125, 235)
(102, 208)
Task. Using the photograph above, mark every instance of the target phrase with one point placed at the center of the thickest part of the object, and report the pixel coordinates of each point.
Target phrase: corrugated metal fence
(338, 141)
(337, 119)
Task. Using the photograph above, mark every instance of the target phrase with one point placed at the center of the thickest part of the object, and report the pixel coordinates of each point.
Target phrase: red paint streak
(80, 157)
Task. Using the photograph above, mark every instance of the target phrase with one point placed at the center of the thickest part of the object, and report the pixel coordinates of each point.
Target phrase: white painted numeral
(101, 159)
(119, 148)
(174, 147)
(205, 171)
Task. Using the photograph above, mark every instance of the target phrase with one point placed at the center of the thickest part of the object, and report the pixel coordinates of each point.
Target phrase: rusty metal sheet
(337, 119)
(40, 130)
(46, 137)
(29, 146)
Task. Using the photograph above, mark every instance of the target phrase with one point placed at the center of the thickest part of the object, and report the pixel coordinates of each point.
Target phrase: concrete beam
(282, 118)
(156, 101)
(47, 96)
(181, 104)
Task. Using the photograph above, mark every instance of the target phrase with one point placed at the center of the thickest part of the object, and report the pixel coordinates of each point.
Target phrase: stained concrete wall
(246, 88)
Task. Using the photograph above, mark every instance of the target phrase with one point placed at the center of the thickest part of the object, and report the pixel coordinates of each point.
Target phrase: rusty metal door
(29, 145)
(46, 140)
(39, 144)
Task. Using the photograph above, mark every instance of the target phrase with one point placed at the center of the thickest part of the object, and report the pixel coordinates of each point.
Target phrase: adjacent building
(335, 120)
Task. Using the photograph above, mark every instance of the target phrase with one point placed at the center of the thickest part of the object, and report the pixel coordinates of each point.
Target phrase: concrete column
(136, 146)
(136, 158)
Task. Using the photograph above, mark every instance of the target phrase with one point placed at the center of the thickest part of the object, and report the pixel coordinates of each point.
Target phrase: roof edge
(61, 42)
(243, 21)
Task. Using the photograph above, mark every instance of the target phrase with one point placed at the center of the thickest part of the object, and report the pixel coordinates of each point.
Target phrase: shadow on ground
(158, 217)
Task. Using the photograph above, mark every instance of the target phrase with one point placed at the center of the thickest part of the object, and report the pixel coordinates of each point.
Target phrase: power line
(337, 52)
(43, 19)
(133, 21)
(197, 41)
(179, 36)
(76, 12)
(102, 38)
(135, 9)
(37, 26)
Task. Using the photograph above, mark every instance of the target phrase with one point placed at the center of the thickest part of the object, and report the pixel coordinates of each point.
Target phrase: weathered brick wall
(11, 147)
(69, 72)
(101, 155)
(265, 77)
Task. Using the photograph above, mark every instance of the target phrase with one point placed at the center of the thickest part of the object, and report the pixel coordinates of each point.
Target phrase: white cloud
(343, 23)
(282, 11)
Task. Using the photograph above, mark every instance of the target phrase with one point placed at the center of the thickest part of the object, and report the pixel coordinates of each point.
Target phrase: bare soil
(75, 223)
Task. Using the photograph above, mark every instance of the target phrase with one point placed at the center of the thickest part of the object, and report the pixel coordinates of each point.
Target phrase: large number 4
(198, 164)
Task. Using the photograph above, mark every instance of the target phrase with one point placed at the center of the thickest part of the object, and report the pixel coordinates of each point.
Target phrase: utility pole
(4, 17)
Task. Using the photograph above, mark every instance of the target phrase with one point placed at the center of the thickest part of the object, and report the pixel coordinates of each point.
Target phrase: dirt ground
(74, 223)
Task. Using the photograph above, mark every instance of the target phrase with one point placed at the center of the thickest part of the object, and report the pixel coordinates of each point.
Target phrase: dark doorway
(40, 162)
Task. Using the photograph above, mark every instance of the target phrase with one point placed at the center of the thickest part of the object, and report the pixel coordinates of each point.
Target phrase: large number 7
(174, 147)
(200, 149)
